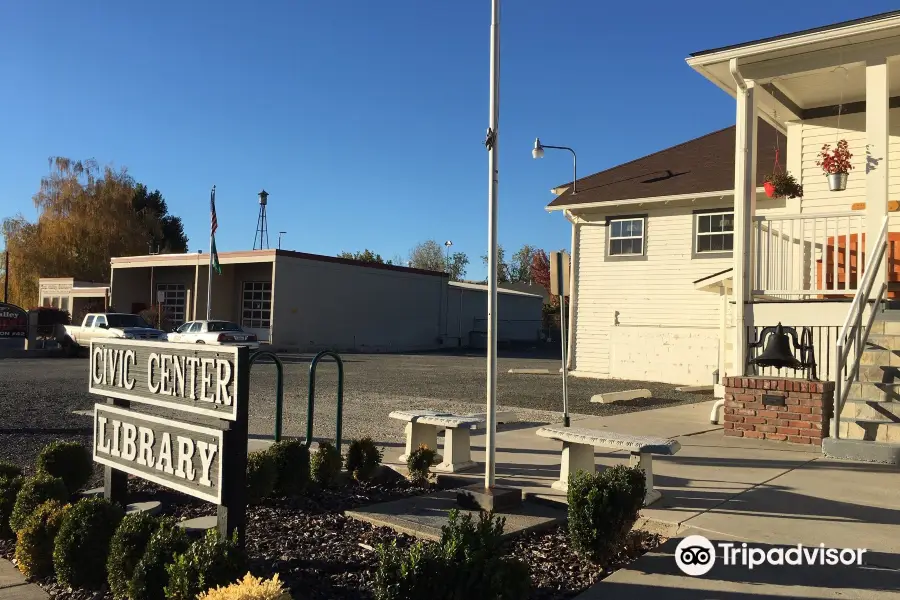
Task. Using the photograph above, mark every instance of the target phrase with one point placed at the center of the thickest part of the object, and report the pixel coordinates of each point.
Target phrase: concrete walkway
(13, 585)
(757, 491)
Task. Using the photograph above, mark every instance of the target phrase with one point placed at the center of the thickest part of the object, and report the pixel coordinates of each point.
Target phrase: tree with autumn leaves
(87, 215)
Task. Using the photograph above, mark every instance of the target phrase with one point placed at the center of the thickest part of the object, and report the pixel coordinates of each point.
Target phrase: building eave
(637, 201)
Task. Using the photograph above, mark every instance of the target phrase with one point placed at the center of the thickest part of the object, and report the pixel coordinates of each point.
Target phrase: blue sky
(363, 120)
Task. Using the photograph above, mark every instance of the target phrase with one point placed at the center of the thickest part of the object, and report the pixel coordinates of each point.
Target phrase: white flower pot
(837, 182)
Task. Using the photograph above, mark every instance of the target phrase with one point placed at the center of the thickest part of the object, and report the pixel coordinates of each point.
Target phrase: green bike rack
(312, 396)
(279, 386)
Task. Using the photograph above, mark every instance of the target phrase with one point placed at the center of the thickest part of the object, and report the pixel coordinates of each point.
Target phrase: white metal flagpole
(493, 176)
(212, 231)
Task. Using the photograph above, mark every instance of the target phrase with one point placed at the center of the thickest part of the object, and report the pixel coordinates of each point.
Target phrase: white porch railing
(807, 256)
(852, 338)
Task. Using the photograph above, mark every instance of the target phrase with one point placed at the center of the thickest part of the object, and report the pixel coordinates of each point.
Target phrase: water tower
(262, 225)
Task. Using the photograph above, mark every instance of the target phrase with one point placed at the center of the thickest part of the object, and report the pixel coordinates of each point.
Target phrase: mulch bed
(322, 555)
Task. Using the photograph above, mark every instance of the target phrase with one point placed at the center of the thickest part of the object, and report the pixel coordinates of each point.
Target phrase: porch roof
(699, 167)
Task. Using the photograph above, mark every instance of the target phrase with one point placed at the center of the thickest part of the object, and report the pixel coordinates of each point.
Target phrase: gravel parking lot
(37, 396)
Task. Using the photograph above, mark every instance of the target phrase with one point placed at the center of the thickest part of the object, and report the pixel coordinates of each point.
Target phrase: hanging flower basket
(782, 185)
(836, 165)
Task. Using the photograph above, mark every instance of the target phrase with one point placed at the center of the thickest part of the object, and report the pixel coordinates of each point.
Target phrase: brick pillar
(778, 409)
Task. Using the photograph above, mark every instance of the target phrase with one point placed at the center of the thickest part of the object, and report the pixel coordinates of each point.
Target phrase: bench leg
(457, 451)
(645, 463)
(416, 435)
(575, 457)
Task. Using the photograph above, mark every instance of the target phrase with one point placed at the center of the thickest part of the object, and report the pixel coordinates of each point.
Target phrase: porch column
(744, 209)
(876, 159)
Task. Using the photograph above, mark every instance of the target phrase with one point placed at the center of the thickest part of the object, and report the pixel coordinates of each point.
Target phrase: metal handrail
(310, 408)
(279, 387)
(851, 332)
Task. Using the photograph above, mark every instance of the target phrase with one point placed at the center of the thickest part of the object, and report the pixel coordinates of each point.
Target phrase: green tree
(457, 266)
(166, 231)
(429, 255)
(502, 266)
(520, 266)
(365, 256)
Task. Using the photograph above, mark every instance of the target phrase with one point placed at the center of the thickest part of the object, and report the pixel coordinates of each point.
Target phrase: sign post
(195, 441)
(559, 286)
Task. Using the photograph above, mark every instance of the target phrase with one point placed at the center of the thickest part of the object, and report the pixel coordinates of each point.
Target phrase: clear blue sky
(363, 120)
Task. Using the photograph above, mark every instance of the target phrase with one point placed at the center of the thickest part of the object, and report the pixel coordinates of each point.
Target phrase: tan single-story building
(307, 302)
(76, 297)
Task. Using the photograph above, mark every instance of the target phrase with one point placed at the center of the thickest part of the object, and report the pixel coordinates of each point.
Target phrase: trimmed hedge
(34, 541)
(82, 546)
(9, 489)
(325, 464)
(249, 588)
(261, 476)
(419, 463)
(210, 561)
(292, 465)
(603, 508)
(69, 460)
(149, 580)
(126, 548)
(363, 458)
(35, 491)
(9, 470)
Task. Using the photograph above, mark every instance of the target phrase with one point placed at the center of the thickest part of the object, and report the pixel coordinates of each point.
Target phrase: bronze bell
(778, 352)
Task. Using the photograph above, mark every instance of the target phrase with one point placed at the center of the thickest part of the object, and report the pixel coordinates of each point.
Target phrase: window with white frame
(626, 236)
(714, 232)
(257, 305)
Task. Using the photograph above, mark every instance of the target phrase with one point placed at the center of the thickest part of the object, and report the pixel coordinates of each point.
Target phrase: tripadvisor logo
(695, 555)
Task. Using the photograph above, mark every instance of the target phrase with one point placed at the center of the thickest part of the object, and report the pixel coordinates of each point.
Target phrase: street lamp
(448, 243)
(538, 152)
(280, 233)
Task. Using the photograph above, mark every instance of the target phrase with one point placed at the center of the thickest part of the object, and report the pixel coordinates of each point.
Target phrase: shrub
(82, 546)
(325, 464)
(48, 318)
(149, 579)
(466, 563)
(154, 319)
(69, 460)
(292, 466)
(126, 548)
(35, 491)
(209, 561)
(261, 475)
(8, 470)
(363, 458)
(249, 588)
(34, 541)
(419, 463)
(9, 488)
(603, 508)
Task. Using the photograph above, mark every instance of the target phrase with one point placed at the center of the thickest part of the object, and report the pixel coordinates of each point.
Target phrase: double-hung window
(626, 236)
(714, 232)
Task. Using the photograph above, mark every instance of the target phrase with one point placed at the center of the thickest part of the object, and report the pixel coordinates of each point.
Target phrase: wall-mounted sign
(182, 456)
(13, 321)
(187, 377)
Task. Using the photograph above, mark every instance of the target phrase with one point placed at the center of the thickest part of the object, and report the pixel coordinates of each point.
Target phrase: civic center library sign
(190, 433)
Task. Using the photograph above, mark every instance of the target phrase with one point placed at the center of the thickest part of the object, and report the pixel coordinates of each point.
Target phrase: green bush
(419, 463)
(35, 491)
(325, 464)
(9, 470)
(34, 541)
(261, 476)
(292, 465)
(209, 562)
(363, 458)
(82, 546)
(9, 489)
(149, 580)
(466, 563)
(603, 508)
(69, 460)
(126, 548)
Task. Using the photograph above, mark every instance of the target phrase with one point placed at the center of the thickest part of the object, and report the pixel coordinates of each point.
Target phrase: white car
(221, 333)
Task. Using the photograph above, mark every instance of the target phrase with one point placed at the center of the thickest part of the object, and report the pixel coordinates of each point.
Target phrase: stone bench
(578, 452)
(422, 428)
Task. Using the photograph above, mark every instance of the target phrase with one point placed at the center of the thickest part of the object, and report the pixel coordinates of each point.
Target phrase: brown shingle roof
(704, 164)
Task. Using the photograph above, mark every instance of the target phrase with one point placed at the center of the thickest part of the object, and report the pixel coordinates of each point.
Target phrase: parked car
(222, 333)
(106, 326)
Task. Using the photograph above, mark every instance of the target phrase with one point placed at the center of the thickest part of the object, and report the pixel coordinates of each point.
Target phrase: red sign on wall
(13, 321)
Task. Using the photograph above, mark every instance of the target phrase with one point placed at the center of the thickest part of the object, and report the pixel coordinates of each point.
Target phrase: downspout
(573, 289)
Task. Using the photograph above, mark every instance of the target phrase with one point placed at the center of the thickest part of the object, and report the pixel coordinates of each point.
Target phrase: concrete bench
(578, 452)
(422, 428)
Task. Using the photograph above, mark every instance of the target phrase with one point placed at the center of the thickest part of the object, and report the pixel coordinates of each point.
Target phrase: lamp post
(448, 243)
(280, 233)
(538, 152)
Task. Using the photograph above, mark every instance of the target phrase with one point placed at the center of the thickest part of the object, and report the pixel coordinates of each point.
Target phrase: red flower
(837, 160)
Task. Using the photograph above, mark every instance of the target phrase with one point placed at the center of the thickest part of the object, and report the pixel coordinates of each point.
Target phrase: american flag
(212, 207)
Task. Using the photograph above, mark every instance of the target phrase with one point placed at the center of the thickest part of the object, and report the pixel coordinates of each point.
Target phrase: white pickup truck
(106, 326)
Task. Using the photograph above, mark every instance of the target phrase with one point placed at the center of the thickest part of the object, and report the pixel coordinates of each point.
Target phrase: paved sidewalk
(757, 491)
(13, 585)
